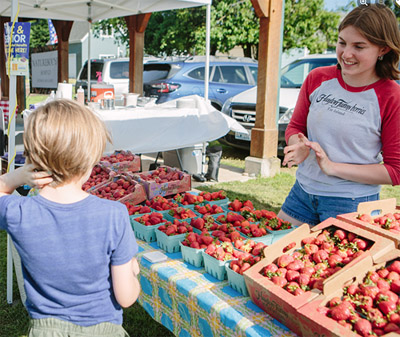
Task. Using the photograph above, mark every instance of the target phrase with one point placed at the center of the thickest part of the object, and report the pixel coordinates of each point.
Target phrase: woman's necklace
(363, 89)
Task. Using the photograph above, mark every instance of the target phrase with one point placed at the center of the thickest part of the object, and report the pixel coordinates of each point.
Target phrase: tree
(233, 23)
(40, 35)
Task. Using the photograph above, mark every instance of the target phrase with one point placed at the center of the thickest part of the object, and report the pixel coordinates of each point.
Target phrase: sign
(19, 55)
(45, 70)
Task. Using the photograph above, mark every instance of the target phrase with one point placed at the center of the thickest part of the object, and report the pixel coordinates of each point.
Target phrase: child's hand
(34, 178)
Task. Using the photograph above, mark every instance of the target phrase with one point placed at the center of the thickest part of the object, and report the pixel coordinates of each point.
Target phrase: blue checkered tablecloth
(190, 302)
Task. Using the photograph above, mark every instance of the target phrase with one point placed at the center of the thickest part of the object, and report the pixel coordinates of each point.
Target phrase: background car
(242, 107)
(172, 80)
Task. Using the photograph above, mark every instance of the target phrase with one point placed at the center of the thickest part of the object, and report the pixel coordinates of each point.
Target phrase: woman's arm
(21, 176)
(126, 285)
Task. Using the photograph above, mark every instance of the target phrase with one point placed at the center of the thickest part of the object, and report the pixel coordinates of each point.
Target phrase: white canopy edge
(77, 10)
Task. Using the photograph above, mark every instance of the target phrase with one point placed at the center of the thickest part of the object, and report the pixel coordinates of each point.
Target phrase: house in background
(103, 46)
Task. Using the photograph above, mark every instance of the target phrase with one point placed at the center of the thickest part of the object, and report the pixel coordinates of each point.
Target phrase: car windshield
(95, 67)
(294, 74)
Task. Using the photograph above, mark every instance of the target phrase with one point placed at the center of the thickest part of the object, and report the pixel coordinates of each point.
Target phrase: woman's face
(357, 57)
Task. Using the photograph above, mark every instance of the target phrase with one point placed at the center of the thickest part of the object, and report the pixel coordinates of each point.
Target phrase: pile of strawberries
(175, 228)
(206, 223)
(239, 206)
(371, 308)
(151, 219)
(116, 190)
(159, 203)
(136, 209)
(213, 196)
(188, 199)
(118, 157)
(97, 176)
(161, 175)
(318, 258)
(198, 241)
(181, 213)
(389, 221)
(208, 209)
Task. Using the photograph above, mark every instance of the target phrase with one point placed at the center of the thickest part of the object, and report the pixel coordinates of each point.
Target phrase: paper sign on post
(19, 54)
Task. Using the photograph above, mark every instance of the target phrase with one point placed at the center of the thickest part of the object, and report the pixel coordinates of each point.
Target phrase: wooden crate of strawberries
(361, 301)
(163, 181)
(296, 267)
(121, 161)
(381, 217)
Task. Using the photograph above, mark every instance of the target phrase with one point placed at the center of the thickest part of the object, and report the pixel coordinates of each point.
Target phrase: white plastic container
(191, 158)
(80, 96)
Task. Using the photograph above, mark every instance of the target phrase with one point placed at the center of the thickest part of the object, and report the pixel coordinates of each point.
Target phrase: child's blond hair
(64, 138)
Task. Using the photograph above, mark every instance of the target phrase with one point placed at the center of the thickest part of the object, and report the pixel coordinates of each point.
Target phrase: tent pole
(207, 66)
(206, 78)
(89, 66)
(11, 150)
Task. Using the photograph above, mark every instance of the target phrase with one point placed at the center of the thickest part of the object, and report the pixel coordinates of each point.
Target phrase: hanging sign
(19, 54)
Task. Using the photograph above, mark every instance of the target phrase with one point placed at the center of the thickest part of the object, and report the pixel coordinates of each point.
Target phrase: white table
(165, 127)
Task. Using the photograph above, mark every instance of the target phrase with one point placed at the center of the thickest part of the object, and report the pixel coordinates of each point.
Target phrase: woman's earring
(380, 57)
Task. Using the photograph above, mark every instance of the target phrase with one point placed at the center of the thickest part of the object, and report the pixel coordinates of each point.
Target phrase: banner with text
(17, 57)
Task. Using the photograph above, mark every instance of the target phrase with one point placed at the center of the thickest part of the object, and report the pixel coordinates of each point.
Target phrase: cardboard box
(374, 209)
(314, 323)
(137, 196)
(281, 304)
(168, 188)
(123, 166)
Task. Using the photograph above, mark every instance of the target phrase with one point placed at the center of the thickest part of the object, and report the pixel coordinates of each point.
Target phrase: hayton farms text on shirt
(339, 105)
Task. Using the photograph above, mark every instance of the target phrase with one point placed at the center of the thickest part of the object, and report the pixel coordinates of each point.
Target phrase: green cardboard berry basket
(142, 232)
(171, 244)
(192, 255)
(265, 239)
(214, 267)
(220, 202)
(279, 234)
(236, 281)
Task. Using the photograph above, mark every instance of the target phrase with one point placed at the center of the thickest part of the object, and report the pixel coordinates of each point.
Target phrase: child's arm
(21, 176)
(126, 286)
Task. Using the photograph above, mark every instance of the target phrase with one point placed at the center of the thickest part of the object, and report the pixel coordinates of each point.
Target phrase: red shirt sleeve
(389, 102)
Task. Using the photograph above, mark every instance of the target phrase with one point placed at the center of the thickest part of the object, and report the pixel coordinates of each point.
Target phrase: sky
(334, 4)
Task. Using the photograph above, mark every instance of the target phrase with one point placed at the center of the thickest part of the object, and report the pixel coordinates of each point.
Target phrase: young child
(344, 132)
(77, 250)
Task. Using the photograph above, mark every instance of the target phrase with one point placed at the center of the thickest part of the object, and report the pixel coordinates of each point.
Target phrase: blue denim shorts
(313, 209)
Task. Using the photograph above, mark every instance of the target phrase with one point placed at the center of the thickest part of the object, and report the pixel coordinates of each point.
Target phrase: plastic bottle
(80, 96)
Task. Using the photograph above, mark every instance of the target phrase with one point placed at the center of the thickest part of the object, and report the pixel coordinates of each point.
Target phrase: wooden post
(136, 26)
(63, 29)
(264, 135)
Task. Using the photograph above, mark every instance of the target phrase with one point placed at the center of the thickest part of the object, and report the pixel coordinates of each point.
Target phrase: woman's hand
(325, 164)
(296, 152)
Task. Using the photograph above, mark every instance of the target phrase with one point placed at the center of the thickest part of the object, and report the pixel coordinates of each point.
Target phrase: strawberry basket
(170, 235)
(145, 228)
(236, 281)
(215, 257)
(193, 256)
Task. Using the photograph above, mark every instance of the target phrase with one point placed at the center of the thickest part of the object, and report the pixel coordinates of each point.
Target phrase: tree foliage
(233, 23)
(40, 35)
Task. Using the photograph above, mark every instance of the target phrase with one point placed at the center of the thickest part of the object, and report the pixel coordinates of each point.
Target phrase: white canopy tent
(90, 11)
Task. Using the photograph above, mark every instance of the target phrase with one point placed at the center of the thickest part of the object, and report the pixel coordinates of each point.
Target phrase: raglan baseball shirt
(355, 125)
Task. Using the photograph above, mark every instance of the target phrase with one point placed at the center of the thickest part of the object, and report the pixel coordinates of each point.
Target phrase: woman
(345, 129)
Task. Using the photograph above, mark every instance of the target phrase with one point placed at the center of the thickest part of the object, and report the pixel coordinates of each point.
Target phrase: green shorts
(53, 327)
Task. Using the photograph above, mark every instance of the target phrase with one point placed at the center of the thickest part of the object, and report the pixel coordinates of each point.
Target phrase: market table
(167, 126)
(190, 302)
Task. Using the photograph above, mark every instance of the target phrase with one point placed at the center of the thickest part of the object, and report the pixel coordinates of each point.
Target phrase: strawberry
(342, 311)
(363, 327)
(395, 266)
(279, 281)
(387, 307)
(284, 260)
(292, 275)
